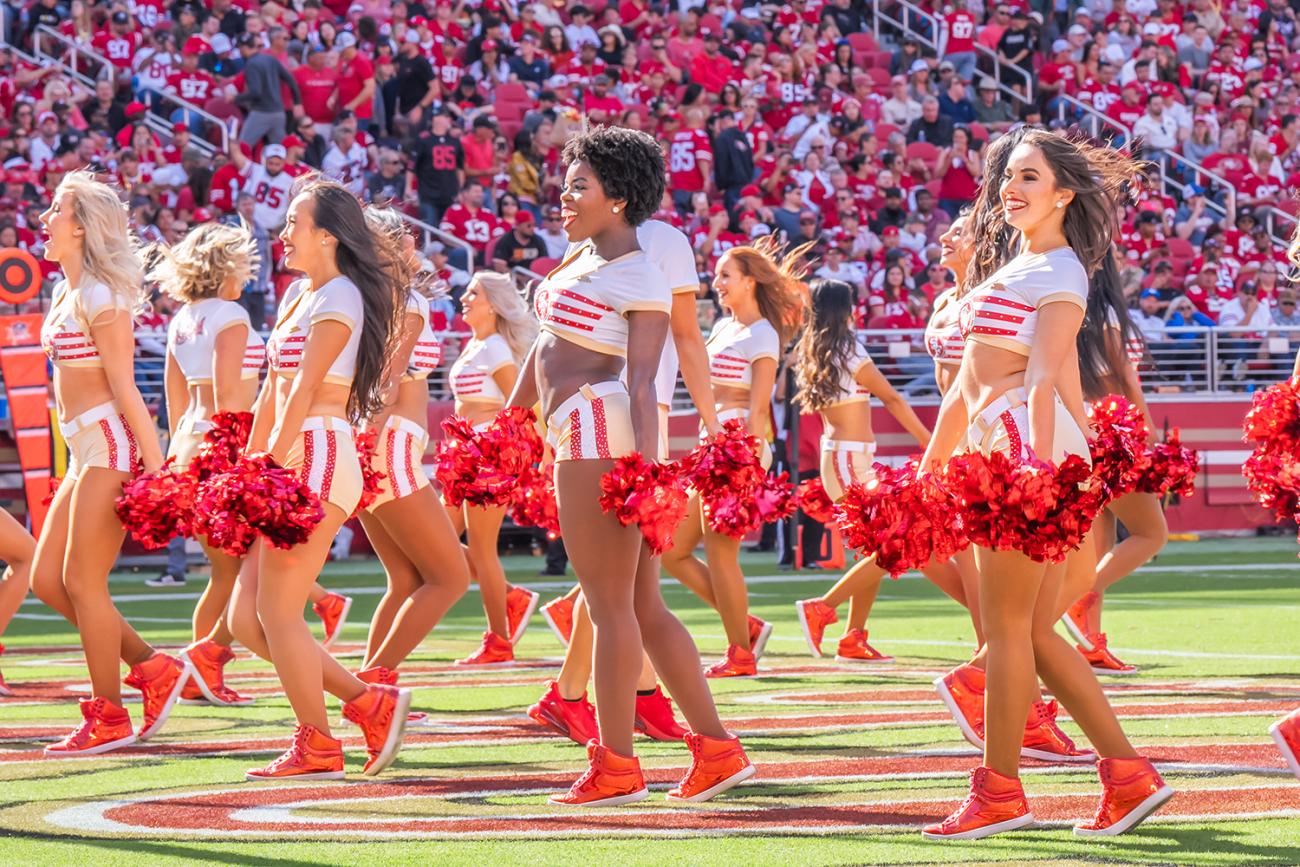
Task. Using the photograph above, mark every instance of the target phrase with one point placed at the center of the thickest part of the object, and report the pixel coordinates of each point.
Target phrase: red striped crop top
(1003, 310)
(65, 333)
(587, 298)
(473, 371)
(303, 307)
(426, 355)
(192, 336)
(943, 338)
(733, 348)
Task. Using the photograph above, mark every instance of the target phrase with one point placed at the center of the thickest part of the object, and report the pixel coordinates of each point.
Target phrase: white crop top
(340, 300)
(943, 338)
(669, 249)
(65, 333)
(1003, 310)
(426, 355)
(850, 391)
(472, 373)
(192, 337)
(733, 348)
(586, 299)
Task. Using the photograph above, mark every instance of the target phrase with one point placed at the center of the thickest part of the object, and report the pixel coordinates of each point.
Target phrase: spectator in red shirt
(690, 160)
(119, 42)
(317, 82)
(599, 103)
(355, 82)
(710, 69)
(470, 220)
(481, 158)
(959, 50)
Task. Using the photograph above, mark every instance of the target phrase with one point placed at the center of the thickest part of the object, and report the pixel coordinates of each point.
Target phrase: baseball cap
(356, 7)
(292, 141)
(919, 66)
(197, 45)
(898, 79)
(1164, 265)
(947, 65)
(412, 37)
(201, 215)
(1077, 30)
(489, 45)
(345, 40)
(751, 190)
(179, 127)
(134, 108)
(889, 232)
(1149, 293)
(524, 216)
(717, 209)
(1060, 45)
(892, 192)
(274, 150)
(987, 84)
(746, 215)
(121, 18)
(47, 115)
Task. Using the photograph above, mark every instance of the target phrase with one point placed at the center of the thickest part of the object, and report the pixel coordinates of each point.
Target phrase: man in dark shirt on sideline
(520, 246)
(931, 126)
(416, 82)
(263, 75)
(439, 164)
(733, 166)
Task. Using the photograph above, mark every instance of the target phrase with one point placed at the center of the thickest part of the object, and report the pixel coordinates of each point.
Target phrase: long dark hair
(369, 260)
(988, 226)
(1100, 359)
(822, 353)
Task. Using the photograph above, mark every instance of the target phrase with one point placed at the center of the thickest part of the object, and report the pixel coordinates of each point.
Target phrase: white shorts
(845, 463)
(100, 437)
(399, 455)
(1003, 426)
(594, 424)
(325, 456)
(184, 445)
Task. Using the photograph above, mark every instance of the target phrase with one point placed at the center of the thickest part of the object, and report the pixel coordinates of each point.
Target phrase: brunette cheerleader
(88, 338)
(406, 523)
(765, 297)
(1020, 326)
(328, 355)
(837, 379)
(481, 377)
(17, 548)
(1110, 350)
(563, 707)
(604, 308)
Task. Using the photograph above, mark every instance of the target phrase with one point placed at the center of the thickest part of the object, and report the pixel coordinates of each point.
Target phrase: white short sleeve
(228, 314)
(340, 300)
(762, 342)
(860, 359)
(95, 299)
(1056, 276)
(496, 353)
(643, 288)
(671, 252)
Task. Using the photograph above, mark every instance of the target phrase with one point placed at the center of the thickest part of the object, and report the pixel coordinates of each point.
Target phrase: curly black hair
(628, 164)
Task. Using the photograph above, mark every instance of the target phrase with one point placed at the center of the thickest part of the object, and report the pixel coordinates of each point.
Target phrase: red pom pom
(534, 504)
(651, 495)
(55, 481)
(1120, 450)
(483, 467)
(156, 507)
(1172, 468)
(1031, 506)
(905, 519)
(736, 493)
(367, 444)
(222, 444)
(1274, 417)
(815, 503)
(256, 497)
(1274, 479)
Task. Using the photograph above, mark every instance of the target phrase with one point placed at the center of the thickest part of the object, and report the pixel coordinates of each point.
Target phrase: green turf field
(851, 760)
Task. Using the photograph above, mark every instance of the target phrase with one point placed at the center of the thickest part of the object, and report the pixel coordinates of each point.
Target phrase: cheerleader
(328, 355)
(213, 359)
(17, 548)
(764, 295)
(406, 523)
(481, 377)
(564, 707)
(1108, 357)
(1020, 325)
(837, 378)
(88, 338)
(604, 308)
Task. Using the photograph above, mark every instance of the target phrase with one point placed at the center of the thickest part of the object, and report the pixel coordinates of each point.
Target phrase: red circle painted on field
(20, 276)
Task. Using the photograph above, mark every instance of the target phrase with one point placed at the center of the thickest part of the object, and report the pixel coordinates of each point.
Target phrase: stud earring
(616, 209)
(323, 243)
(1060, 204)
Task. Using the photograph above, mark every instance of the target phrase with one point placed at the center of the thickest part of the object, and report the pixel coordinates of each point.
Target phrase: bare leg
(863, 577)
(1010, 584)
(48, 568)
(18, 549)
(216, 596)
(680, 561)
(425, 539)
(576, 670)
(860, 605)
(483, 528)
(402, 582)
(604, 554)
(94, 537)
(1145, 521)
(970, 581)
(723, 555)
(1069, 677)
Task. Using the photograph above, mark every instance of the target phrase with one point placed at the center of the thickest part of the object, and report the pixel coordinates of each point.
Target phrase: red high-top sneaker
(717, 764)
(995, 804)
(1102, 660)
(573, 719)
(962, 690)
(814, 616)
(104, 727)
(1075, 619)
(520, 605)
(854, 648)
(160, 679)
(381, 712)
(654, 717)
(1044, 739)
(738, 662)
(207, 684)
(494, 650)
(311, 756)
(759, 632)
(558, 614)
(1131, 790)
(1286, 734)
(610, 780)
(333, 613)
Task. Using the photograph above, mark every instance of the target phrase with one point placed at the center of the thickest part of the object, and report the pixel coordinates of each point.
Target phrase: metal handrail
(153, 120)
(1098, 118)
(18, 51)
(444, 237)
(933, 43)
(526, 279)
(1229, 209)
(1272, 214)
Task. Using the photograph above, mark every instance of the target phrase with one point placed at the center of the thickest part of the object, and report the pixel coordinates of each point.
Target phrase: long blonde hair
(109, 249)
(779, 289)
(198, 266)
(515, 322)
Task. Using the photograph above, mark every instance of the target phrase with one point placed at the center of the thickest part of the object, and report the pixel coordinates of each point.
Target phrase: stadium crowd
(789, 118)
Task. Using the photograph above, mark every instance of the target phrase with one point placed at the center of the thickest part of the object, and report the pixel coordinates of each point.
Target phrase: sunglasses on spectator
(807, 222)
(1286, 303)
